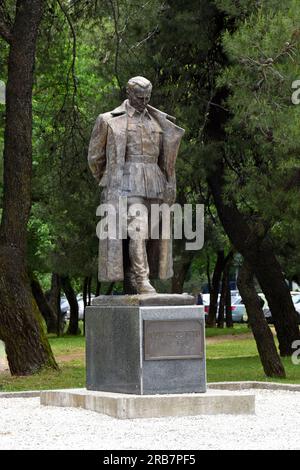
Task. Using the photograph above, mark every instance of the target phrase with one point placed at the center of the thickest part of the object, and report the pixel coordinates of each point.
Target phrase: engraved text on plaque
(173, 339)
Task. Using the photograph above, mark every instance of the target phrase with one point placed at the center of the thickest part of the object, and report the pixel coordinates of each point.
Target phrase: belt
(141, 159)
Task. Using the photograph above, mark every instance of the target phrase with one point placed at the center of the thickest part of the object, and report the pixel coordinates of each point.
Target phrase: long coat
(106, 159)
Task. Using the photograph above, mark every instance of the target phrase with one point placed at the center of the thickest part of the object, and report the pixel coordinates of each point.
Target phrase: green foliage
(189, 50)
(70, 91)
(238, 9)
(263, 137)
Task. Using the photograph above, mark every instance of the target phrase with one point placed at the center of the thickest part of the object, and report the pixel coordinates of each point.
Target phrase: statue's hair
(138, 81)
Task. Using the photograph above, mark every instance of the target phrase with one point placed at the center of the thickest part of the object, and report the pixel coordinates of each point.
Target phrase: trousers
(139, 212)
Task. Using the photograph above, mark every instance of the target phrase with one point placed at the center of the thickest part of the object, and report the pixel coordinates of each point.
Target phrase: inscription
(173, 339)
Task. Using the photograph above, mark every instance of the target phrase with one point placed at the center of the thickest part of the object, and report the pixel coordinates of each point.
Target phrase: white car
(240, 309)
(237, 308)
(296, 301)
(65, 307)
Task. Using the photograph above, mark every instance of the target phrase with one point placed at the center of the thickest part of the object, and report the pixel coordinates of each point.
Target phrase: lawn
(239, 329)
(231, 358)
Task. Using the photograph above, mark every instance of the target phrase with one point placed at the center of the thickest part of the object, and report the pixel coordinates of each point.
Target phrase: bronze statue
(132, 153)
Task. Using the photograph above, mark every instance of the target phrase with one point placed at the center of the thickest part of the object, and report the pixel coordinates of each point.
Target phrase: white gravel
(24, 424)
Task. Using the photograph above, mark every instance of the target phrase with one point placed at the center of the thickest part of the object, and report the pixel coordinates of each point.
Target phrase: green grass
(228, 360)
(66, 344)
(239, 329)
(247, 368)
(231, 349)
(71, 375)
(238, 361)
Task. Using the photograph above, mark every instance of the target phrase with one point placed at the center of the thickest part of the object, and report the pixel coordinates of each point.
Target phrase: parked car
(296, 302)
(206, 299)
(65, 307)
(237, 313)
(238, 310)
(265, 307)
(234, 294)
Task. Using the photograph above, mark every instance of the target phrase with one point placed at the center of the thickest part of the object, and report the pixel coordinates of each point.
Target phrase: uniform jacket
(106, 160)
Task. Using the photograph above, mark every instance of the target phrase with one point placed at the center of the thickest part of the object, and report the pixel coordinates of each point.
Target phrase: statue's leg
(129, 284)
(137, 249)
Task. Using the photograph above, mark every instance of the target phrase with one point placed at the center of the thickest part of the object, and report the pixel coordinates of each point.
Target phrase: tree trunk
(214, 293)
(53, 298)
(222, 304)
(259, 253)
(85, 291)
(87, 285)
(225, 298)
(44, 307)
(72, 299)
(250, 241)
(208, 273)
(182, 265)
(270, 359)
(228, 311)
(21, 328)
(89, 291)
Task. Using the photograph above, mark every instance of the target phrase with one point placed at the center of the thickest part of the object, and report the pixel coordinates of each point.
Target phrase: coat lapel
(118, 126)
(172, 135)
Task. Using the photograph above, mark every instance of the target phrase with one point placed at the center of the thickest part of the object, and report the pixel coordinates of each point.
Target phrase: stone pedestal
(129, 406)
(135, 347)
(146, 359)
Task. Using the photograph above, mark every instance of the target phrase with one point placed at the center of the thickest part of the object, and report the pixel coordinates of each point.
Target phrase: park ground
(231, 356)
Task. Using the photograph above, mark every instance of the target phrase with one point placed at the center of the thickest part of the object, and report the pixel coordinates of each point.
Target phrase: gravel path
(24, 424)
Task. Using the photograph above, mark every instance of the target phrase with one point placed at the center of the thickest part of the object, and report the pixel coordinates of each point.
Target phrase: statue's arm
(97, 149)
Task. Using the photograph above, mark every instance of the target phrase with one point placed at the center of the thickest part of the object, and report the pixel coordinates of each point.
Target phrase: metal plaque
(173, 339)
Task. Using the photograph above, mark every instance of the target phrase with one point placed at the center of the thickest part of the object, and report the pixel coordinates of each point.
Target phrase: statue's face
(139, 97)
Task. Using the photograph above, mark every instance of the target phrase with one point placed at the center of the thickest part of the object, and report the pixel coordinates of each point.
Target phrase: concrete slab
(128, 406)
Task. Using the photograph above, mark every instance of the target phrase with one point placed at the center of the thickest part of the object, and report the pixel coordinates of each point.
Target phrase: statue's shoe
(145, 287)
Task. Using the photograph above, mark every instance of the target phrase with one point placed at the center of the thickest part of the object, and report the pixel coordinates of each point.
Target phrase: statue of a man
(132, 153)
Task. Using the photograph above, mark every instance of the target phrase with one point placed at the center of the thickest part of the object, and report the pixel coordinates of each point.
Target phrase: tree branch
(5, 23)
(74, 47)
(5, 32)
(116, 15)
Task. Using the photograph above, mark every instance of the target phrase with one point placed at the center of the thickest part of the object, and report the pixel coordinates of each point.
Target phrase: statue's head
(139, 92)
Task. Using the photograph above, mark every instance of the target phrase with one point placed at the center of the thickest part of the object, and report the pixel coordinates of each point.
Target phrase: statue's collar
(126, 108)
(120, 109)
(152, 112)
